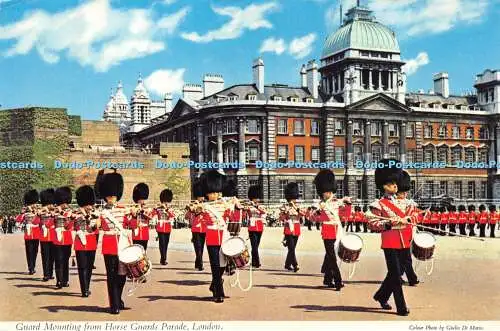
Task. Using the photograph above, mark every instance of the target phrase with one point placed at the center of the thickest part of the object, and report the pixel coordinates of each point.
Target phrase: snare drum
(234, 228)
(423, 245)
(236, 250)
(136, 262)
(350, 248)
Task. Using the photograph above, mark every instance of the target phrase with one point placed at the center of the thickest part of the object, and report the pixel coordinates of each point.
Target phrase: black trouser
(471, 229)
(163, 239)
(443, 230)
(392, 282)
(61, 259)
(407, 266)
(332, 272)
(452, 229)
(318, 226)
(461, 227)
(47, 248)
(85, 261)
(492, 230)
(349, 226)
(217, 271)
(4, 228)
(309, 225)
(358, 226)
(482, 230)
(198, 239)
(143, 243)
(31, 248)
(291, 259)
(255, 242)
(114, 281)
(365, 227)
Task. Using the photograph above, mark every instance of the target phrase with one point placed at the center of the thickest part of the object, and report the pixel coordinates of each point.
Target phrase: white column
(380, 80)
(370, 79)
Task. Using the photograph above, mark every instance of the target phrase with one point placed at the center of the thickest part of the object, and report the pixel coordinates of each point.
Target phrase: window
(230, 154)
(309, 100)
(253, 126)
(377, 129)
(300, 184)
(484, 133)
(213, 128)
(393, 130)
(299, 153)
(339, 154)
(253, 182)
(443, 188)
(283, 184)
(442, 131)
(252, 97)
(233, 97)
(436, 106)
(339, 127)
(283, 126)
(483, 190)
(469, 133)
(428, 131)
(471, 190)
(492, 94)
(410, 130)
(357, 128)
(229, 126)
(470, 155)
(428, 154)
(283, 153)
(483, 155)
(277, 98)
(428, 189)
(376, 153)
(394, 151)
(293, 99)
(455, 132)
(456, 155)
(340, 188)
(315, 154)
(457, 190)
(359, 187)
(364, 53)
(213, 154)
(358, 153)
(252, 152)
(413, 188)
(410, 155)
(442, 154)
(314, 127)
(298, 127)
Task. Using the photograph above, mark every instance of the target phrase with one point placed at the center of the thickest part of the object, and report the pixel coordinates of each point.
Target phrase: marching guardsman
(492, 220)
(164, 216)
(198, 227)
(358, 218)
(471, 220)
(63, 240)
(290, 215)
(138, 219)
(462, 219)
(395, 235)
(216, 214)
(365, 220)
(410, 209)
(452, 219)
(328, 214)
(256, 215)
(31, 223)
(47, 232)
(86, 225)
(483, 220)
(110, 187)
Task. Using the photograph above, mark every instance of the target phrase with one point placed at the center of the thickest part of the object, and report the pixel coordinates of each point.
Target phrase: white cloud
(417, 17)
(92, 33)
(165, 81)
(272, 45)
(169, 2)
(302, 47)
(251, 17)
(413, 65)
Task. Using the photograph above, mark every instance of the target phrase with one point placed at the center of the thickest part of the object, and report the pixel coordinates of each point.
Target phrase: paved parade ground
(465, 285)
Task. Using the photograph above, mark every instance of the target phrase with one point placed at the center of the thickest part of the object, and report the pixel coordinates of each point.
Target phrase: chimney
(258, 74)
(168, 102)
(441, 84)
(192, 92)
(212, 84)
(312, 78)
(303, 76)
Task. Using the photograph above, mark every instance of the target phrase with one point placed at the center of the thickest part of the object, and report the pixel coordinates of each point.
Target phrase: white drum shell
(424, 239)
(233, 246)
(352, 242)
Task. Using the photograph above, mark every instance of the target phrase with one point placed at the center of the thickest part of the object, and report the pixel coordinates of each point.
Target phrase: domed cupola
(140, 91)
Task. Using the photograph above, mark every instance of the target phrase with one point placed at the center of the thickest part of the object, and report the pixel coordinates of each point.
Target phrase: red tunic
(47, 232)
(215, 216)
(462, 217)
(165, 219)
(394, 238)
(291, 221)
(483, 217)
(80, 224)
(197, 224)
(256, 218)
(471, 217)
(32, 231)
(453, 217)
(444, 218)
(66, 235)
(358, 217)
(435, 218)
(111, 233)
(493, 219)
(139, 226)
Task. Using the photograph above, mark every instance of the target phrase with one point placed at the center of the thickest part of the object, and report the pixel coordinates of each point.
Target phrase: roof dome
(140, 90)
(120, 97)
(361, 31)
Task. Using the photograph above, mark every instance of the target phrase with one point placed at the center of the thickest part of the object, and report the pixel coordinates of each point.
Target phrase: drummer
(328, 215)
(386, 179)
(138, 218)
(110, 187)
(256, 215)
(165, 216)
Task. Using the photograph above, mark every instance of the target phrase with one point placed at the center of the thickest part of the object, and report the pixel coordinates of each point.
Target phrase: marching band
(217, 222)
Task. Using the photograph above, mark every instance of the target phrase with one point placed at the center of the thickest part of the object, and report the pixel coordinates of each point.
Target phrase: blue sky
(71, 53)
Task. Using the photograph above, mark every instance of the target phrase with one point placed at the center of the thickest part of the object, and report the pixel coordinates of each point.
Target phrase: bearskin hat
(166, 195)
(492, 208)
(472, 208)
(482, 207)
(31, 197)
(365, 208)
(292, 191)
(47, 197)
(85, 196)
(452, 208)
(357, 208)
(212, 182)
(254, 192)
(111, 185)
(461, 208)
(141, 192)
(442, 209)
(229, 189)
(325, 182)
(197, 190)
(63, 195)
(385, 175)
(404, 181)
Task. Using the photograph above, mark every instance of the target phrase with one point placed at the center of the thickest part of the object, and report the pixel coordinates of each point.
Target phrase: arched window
(442, 154)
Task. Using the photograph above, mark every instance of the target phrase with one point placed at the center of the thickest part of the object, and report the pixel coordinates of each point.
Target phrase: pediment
(380, 102)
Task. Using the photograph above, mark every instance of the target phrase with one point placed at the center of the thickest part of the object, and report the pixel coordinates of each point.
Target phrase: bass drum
(136, 262)
(350, 247)
(423, 245)
(236, 251)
